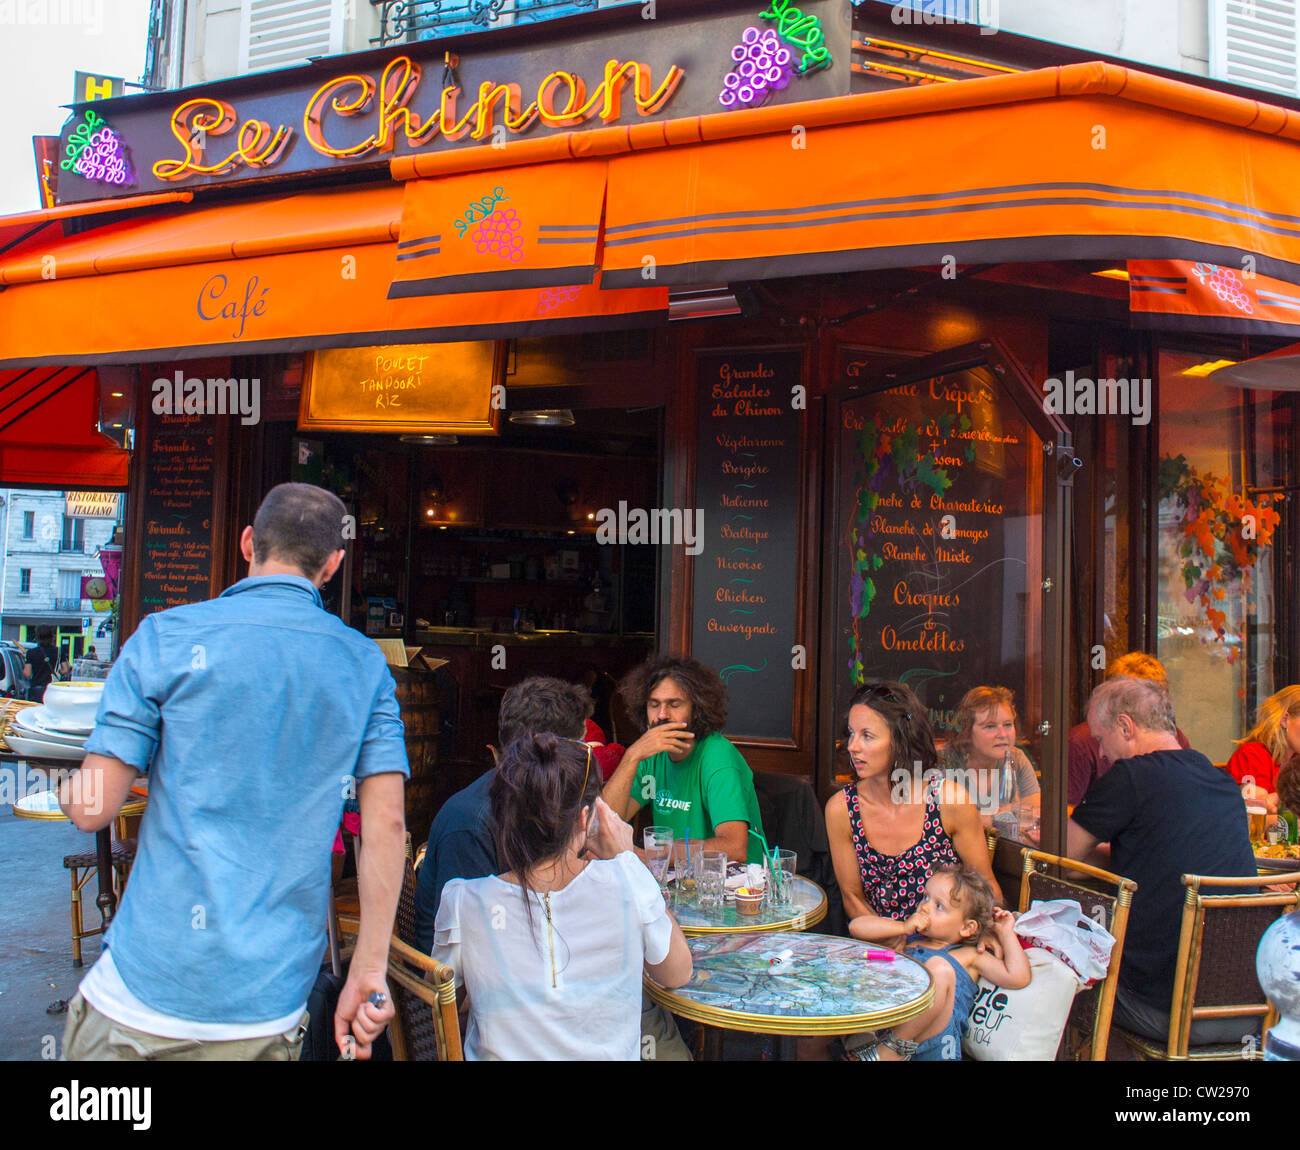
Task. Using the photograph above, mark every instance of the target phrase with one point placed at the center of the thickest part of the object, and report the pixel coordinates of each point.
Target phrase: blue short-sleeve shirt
(255, 715)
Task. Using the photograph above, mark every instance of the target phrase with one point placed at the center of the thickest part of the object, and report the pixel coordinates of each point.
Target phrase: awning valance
(1182, 295)
(47, 431)
(286, 274)
(537, 227)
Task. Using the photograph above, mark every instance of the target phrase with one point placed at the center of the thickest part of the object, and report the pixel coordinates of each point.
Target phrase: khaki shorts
(93, 1037)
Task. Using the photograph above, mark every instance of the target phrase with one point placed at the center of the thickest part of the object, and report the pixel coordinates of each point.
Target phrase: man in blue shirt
(461, 844)
(223, 925)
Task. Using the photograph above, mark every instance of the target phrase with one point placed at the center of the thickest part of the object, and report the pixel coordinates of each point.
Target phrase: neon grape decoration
(804, 32)
(1224, 283)
(763, 66)
(95, 152)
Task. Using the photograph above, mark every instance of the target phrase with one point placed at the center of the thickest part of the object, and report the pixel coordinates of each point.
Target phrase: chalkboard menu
(176, 522)
(746, 576)
(938, 538)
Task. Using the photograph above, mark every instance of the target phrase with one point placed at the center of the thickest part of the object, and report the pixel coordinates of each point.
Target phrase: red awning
(47, 431)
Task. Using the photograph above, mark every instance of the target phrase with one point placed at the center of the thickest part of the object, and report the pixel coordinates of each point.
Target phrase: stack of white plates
(59, 728)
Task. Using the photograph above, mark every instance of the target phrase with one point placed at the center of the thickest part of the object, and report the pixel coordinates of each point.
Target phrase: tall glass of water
(658, 843)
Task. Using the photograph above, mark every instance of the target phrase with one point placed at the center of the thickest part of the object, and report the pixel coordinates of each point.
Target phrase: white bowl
(73, 702)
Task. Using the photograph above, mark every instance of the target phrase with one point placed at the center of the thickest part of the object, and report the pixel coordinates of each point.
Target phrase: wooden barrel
(417, 696)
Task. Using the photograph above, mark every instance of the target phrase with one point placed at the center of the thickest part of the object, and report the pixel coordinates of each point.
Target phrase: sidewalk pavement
(36, 933)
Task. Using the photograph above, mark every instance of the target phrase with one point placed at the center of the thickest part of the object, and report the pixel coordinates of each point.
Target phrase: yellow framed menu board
(426, 387)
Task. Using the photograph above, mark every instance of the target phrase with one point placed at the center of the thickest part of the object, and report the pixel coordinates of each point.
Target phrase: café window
(73, 535)
(29, 524)
(1225, 539)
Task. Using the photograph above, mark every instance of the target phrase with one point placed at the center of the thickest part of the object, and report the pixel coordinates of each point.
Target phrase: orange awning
(21, 227)
(1085, 161)
(47, 431)
(538, 227)
(279, 274)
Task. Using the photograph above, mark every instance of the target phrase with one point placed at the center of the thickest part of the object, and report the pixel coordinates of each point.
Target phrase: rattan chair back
(1106, 899)
(427, 1027)
(1223, 922)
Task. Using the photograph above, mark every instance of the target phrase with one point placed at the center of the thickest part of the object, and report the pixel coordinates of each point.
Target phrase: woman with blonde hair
(984, 740)
(1270, 744)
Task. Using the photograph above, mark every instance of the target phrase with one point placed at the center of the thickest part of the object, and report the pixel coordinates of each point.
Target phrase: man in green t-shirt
(682, 765)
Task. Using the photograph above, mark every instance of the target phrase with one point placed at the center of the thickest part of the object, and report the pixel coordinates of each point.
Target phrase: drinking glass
(780, 879)
(658, 843)
(90, 670)
(688, 869)
(711, 877)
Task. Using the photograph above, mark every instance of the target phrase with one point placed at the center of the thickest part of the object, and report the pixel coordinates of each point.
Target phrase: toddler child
(954, 918)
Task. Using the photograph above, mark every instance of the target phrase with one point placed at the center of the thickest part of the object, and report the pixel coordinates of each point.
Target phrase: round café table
(827, 985)
(44, 806)
(807, 908)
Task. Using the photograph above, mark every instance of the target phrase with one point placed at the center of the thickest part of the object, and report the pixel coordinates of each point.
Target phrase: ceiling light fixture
(547, 417)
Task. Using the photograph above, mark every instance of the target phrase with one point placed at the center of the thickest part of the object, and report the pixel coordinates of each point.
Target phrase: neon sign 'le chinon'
(212, 145)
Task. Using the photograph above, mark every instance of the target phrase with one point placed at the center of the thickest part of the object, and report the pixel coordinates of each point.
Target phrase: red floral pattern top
(895, 884)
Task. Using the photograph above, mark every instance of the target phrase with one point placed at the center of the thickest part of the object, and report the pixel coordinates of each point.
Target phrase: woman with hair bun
(899, 821)
(550, 952)
(1272, 743)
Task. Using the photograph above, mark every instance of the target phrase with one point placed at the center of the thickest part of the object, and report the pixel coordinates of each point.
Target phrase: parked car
(12, 683)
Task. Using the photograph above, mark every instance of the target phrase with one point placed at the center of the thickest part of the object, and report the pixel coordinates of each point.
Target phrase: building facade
(48, 550)
(939, 408)
(1237, 41)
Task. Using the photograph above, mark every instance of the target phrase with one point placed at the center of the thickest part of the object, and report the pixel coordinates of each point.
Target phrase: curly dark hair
(707, 693)
(911, 738)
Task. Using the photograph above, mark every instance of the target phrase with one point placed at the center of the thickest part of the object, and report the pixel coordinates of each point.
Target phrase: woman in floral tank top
(885, 840)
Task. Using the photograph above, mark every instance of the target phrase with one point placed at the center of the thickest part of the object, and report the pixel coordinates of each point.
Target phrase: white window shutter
(282, 33)
(1255, 43)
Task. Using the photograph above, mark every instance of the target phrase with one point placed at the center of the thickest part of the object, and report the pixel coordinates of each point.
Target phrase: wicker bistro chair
(83, 867)
(1088, 1028)
(427, 1025)
(1215, 972)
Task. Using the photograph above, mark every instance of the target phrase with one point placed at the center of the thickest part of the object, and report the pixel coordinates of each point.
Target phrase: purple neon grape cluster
(500, 235)
(763, 65)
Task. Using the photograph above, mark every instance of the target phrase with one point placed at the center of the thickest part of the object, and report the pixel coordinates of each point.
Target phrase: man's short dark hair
(300, 525)
(45, 634)
(543, 705)
(705, 690)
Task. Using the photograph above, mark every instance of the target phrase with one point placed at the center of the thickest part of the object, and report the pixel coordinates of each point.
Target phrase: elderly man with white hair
(1166, 811)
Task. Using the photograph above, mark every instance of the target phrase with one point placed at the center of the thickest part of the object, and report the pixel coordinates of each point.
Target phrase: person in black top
(41, 661)
(1166, 812)
(461, 840)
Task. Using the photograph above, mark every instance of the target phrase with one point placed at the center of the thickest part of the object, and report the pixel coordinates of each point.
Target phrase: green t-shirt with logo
(711, 786)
